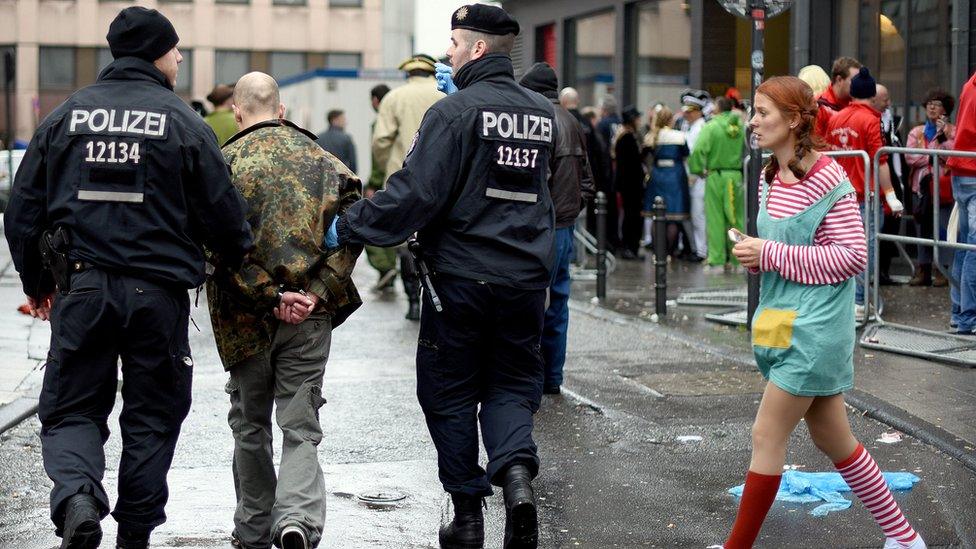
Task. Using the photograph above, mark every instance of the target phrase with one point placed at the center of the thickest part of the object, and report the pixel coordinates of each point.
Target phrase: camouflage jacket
(293, 189)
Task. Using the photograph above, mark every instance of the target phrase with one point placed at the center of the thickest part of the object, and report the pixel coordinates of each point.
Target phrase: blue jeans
(964, 265)
(557, 315)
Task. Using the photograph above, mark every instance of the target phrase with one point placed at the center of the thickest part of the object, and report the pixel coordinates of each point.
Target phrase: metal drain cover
(381, 497)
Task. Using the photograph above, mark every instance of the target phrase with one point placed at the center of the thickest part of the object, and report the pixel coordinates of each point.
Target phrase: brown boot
(923, 276)
(938, 279)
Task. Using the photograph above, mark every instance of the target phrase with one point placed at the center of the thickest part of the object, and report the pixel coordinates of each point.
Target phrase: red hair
(793, 96)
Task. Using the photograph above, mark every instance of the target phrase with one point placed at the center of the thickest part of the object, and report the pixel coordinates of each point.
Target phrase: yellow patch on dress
(773, 328)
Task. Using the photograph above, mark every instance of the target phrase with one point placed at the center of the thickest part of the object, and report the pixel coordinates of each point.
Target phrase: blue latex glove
(443, 75)
(331, 236)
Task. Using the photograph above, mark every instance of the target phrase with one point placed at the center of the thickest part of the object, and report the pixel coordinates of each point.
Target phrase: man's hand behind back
(295, 307)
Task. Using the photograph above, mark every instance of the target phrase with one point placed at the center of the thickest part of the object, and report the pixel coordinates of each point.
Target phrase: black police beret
(141, 32)
(484, 18)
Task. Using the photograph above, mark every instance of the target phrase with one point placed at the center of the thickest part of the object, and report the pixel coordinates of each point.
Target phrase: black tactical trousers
(103, 318)
(484, 348)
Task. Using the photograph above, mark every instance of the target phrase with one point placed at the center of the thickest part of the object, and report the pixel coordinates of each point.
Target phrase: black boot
(413, 310)
(467, 530)
(82, 528)
(521, 520)
(130, 538)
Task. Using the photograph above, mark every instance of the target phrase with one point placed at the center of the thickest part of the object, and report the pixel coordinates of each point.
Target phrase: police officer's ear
(479, 49)
(238, 117)
(281, 111)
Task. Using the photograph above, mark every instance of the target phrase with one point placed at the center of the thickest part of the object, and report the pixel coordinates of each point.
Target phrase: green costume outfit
(803, 334)
(223, 124)
(718, 151)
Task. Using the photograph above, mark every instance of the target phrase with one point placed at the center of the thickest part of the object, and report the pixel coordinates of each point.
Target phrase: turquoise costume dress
(803, 334)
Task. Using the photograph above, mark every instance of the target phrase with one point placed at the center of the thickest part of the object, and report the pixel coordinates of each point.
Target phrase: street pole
(8, 82)
(660, 237)
(757, 13)
(601, 245)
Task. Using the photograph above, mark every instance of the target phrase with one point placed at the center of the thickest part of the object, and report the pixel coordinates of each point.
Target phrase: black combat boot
(82, 528)
(413, 311)
(521, 520)
(132, 538)
(467, 530)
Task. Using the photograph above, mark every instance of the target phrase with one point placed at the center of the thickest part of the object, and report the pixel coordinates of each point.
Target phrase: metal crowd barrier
(898, 338)
(867, 227)
(587, 247)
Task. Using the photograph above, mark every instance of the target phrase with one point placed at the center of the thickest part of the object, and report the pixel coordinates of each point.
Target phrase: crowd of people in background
(692, 158)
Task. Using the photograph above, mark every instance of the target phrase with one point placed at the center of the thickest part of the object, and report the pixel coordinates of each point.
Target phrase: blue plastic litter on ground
(801, 487)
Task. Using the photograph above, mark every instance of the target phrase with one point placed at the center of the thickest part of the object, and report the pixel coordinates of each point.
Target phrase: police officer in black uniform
(120, 186)
(475, 188)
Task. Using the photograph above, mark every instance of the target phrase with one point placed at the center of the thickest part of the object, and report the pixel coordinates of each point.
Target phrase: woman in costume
(810, 246)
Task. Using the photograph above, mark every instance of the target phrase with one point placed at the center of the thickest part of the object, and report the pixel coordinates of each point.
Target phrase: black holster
(54, 247)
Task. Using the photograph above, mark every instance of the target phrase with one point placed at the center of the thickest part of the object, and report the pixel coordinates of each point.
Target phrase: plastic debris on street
(802, 487)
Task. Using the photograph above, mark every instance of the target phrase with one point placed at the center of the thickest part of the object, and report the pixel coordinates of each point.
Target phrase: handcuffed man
(273, 318)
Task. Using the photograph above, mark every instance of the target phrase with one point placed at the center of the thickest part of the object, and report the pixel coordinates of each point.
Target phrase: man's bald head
(882, 99)
(569, 98)
(256, 99)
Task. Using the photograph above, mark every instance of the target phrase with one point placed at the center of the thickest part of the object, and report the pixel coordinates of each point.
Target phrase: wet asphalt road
(613, 473)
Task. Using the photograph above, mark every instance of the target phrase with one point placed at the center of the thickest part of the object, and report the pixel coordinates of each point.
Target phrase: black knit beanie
(863, 85)
(141, 32)
(541, 78)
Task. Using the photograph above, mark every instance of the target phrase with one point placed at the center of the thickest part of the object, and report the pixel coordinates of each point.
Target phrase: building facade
(59, 45)
(647, 51)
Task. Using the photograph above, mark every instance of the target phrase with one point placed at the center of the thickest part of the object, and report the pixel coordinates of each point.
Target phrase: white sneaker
(715, 547)
(293, 537)
(892, 543)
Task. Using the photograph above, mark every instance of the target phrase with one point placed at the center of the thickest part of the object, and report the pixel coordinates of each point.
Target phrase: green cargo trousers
(289, 377)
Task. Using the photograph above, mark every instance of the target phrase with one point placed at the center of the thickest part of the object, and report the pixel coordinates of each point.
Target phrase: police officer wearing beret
(120, 187)
(474, 185)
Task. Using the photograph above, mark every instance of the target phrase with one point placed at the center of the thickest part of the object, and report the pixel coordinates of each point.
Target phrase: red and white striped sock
(862, 474)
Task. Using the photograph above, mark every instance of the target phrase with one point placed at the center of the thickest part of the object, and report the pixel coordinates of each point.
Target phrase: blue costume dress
(669, 180)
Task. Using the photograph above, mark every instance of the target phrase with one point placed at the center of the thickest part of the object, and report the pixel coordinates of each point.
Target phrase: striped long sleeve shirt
(839, 250)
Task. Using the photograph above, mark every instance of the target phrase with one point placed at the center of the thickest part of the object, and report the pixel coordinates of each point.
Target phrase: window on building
(283, 64)
(346, 3)
(343, 60)
(907, 46)
(930, 51)
(545, 44)
(589, 55)
(230, 65)
(233, 1)
(662, 52)
(972, 41)
(56, 67)
(184, 78)
(4, 50)
(892, 34)
(290, 2)
(104, 59)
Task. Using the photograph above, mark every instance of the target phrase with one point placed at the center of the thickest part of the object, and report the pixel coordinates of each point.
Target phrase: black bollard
(600, 209)
(660, 236)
